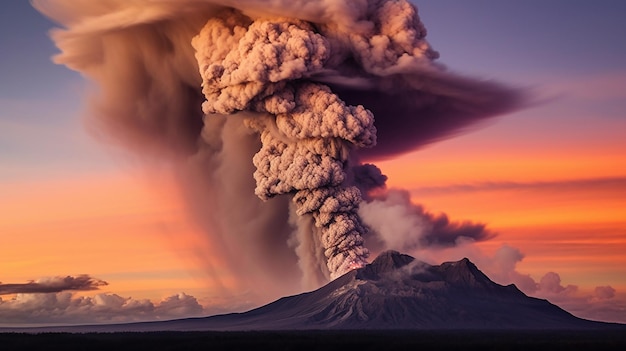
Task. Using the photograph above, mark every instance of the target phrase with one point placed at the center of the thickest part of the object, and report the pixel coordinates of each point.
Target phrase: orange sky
(566, 213)
(116, 227)
(563, 207)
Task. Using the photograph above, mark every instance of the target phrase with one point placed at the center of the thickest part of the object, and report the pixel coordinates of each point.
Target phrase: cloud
(604, 303)
(610, 310)
(178, 305)
(550, 284)
(566, 184)
(52, 301)
(502, 268)
(604, 292)
(67, 308)
(599, 87)
(55, 284)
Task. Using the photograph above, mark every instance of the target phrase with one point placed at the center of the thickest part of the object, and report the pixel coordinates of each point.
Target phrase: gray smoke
(401, 225)
(272, 98)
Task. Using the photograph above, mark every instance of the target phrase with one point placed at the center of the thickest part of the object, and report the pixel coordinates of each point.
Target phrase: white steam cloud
(273, 98)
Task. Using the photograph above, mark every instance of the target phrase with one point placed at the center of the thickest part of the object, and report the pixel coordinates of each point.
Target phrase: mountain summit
(396, 291)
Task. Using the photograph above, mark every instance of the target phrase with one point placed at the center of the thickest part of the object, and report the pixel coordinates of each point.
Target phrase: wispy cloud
(53, 285)
(603, 182)
(599, 87)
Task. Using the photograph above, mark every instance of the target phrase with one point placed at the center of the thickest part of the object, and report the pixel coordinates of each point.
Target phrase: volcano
(395, 291)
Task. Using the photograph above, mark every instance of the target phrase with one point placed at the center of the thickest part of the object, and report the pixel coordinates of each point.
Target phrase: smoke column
(307, 132)
(273, 98)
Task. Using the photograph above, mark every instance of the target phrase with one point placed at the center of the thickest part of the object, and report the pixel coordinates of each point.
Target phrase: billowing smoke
(402, 225)
(273, 98)
(307, 132)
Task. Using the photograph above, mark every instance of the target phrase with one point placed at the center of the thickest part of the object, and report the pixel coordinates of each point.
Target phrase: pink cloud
(604, 292)
(67, 308)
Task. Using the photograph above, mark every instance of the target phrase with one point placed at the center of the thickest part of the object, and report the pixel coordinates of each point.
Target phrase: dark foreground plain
(323, 340)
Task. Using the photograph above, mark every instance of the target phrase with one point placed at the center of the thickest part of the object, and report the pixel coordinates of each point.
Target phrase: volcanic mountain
(395, 291)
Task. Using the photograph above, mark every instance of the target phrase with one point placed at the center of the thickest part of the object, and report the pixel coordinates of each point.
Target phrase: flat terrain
(322, 340)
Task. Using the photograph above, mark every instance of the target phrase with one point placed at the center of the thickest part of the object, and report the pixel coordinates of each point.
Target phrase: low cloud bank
(67, 308)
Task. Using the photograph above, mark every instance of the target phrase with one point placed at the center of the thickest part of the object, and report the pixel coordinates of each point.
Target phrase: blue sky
(40, 103)
(527, 38)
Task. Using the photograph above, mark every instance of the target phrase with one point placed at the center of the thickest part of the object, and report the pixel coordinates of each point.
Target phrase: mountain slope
(397, 292)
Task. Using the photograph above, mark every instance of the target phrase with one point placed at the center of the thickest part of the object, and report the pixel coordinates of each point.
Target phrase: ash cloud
(264, 111)
(53, 285)
(401, 225)
(419, 108)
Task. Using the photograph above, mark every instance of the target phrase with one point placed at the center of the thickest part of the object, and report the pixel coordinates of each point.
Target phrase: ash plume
(401, 225)
(272, 98)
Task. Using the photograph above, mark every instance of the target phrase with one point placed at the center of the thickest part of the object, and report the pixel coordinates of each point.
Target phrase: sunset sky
(549, 179)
